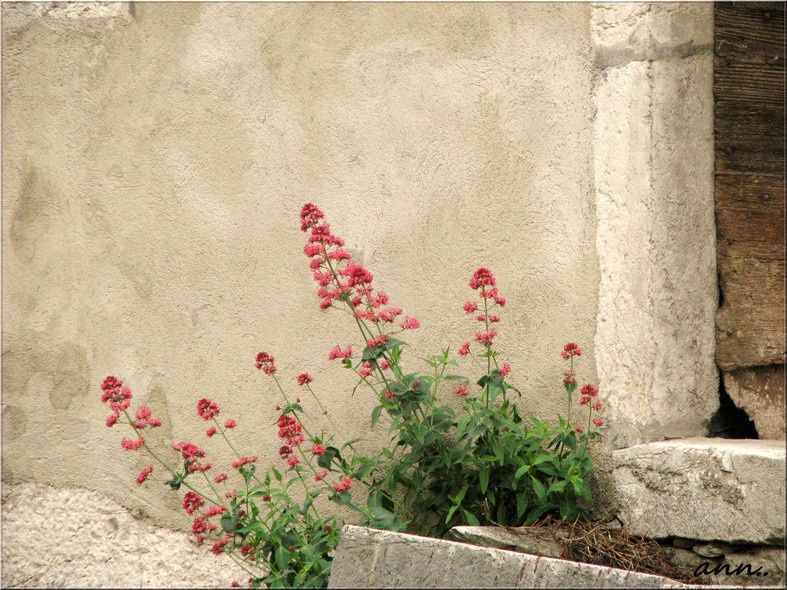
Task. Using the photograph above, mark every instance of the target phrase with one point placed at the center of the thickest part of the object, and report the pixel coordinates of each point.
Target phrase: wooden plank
(749, 132)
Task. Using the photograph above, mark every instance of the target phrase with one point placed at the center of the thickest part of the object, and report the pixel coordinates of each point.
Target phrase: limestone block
(706, 489)
(639, 31)
(71, 10)
(766, 565)
(518, 538)
(72, 538)
(656, 247)
(760, 392)
(368, 558)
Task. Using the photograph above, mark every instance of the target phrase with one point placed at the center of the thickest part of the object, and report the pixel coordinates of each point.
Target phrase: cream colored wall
(153, 171)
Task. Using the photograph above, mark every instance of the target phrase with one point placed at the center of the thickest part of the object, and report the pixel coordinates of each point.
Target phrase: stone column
(653, 142)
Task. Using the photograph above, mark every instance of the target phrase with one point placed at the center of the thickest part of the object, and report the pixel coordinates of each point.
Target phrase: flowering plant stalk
(485, 464)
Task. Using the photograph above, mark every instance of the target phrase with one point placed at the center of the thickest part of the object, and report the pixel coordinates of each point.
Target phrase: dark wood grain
(749, 93)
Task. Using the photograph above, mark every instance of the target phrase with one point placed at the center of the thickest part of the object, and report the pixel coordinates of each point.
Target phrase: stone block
(759, 391)
(705, 489)
(368, 558)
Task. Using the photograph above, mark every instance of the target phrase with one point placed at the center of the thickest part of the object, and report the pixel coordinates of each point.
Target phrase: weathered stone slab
(707, 489)
(519, 538)
(368, 558)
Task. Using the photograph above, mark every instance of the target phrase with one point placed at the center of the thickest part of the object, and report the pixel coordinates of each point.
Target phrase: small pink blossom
(230, 423)
(111, 420)
(244, 461)
(486, 338)
(481, 278)
(589, 390)
(132, 444)
(318, 450)
(207, 409)
(320, 475)
(505, 370)
(410, 323)
(365, 369)
(221, 477)
(464, 350)
(337, 353)
(598, 406)
(304, 379)
(579, 428)
(598, 421)
(344, 485)
(265, 362)
(210, 431)
(570, 350)
(144, 474)
(470, 306)
(192, 501)
(292, 461)
(461, 390)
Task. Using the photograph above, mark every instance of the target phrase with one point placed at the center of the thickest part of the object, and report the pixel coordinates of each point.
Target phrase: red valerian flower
(200, 526)
(318, 450)
(292, 461)
(389, 395)
(365, 369)
(145, 419)
(111, 420)
(191, 502)
(265, 362)
(188, 450)
(215, 511)
(244, 461)
(220, 477)
(579, 428)
(486, 338)
(410, 323)
(304, 379)
(207, 409)
(584, 400)
(570, 350)
(321, 474)
(569, 378)
(482, 277)
(230, 423)
(461, 390)
(210, 431)
(464, 350)
(310, 216)
(470, 307)
(598, 406)
(218, 546)
(504, 372)
(132, 445)
(589, 390)
(115, 394)
(337, 353)
(290, 430)
(344, 485)
(144, 474)
(598, 421)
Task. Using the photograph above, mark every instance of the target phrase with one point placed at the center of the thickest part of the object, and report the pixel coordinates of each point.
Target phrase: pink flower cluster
(484, 282)
(207, 409)
(570, 350)
(265, 362)
(340, 278)
(117, 396)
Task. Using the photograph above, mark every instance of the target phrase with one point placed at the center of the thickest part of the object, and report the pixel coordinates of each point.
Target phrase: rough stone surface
(655, 239)
(519, 538)
(153, 172)
(70, 10)
(760, 392)
(74, 538)
(706, 489)
(368, 558)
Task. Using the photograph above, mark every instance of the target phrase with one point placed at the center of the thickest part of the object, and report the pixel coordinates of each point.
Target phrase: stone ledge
(703, 488)
(368, 558)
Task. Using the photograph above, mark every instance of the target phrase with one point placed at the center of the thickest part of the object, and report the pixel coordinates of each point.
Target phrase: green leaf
(538, 487)
(521, 505)
(282, 557)
(470, 517)
(376, 414)
(484, 480)
(521, 471)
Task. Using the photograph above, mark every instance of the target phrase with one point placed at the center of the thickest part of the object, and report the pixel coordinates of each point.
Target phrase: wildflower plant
(484, 463)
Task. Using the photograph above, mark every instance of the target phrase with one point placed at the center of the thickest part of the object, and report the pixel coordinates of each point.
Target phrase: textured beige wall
(154, 167)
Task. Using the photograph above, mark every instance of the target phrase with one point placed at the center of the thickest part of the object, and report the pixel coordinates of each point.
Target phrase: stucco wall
(154, 166)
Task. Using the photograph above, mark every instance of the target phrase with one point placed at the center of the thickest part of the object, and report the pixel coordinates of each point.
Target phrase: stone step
(704, 488)
(368, 558)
